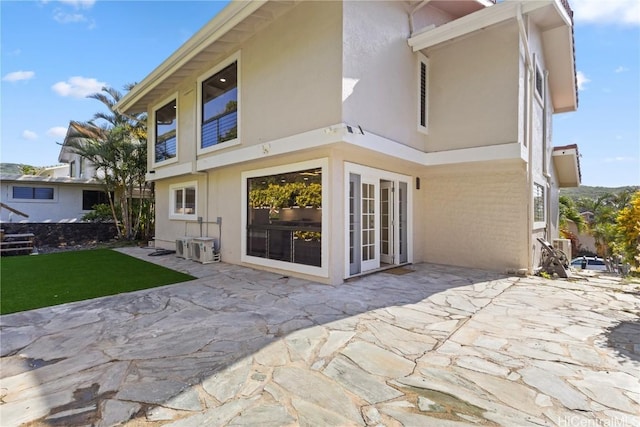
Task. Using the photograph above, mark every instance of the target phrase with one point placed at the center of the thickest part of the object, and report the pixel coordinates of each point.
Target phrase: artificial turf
(29, 282)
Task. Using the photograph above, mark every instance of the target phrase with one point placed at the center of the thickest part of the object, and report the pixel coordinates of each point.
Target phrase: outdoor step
(16, 242)
(30, 249)
(18, 236)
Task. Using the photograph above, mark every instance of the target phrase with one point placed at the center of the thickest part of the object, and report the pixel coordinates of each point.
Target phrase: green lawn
(28, 282)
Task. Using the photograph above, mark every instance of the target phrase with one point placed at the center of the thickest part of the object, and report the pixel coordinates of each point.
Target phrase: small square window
(183, 201)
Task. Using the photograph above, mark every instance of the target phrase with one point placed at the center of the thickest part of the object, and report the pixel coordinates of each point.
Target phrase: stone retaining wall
(65, 234)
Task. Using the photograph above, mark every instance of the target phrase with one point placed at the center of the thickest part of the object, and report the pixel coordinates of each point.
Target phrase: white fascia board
(228, 18)
(302, 141)
(170, 171)
(507, 151)
(338, 134)
(473, 22)
(385, 146)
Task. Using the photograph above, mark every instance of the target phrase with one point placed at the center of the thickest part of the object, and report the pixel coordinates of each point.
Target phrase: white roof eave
(234, 13)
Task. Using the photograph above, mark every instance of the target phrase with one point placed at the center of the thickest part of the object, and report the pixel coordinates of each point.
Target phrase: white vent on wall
(563, 245)
(205, 250)
(183, 247)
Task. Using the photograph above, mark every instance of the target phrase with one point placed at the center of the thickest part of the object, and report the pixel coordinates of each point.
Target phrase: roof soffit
(555, 24)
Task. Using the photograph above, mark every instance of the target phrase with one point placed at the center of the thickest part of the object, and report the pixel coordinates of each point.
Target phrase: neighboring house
(586, 242)
(337, 138)
(59, 194)
(46, 199)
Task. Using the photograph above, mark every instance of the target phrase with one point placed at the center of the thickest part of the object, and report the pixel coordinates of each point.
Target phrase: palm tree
(117, 146)
(569, 212)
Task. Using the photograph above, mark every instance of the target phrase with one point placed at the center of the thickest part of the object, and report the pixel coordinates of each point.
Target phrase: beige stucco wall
(475, 216)
(291, 69)
(474, 81)
(380, 81)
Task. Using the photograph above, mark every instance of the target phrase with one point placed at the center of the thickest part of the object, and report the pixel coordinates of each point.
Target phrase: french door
(378, 207)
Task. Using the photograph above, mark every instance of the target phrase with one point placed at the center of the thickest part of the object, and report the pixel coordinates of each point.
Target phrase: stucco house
(58, 194)
(332, 139)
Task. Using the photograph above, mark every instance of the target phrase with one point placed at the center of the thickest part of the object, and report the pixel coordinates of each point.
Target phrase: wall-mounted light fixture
(417, 182)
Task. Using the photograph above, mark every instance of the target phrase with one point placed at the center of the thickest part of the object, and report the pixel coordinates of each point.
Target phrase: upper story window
(218, 104)
(183, 200)
(72, 169)
(423, 93)
(166, 126)
(32, 193)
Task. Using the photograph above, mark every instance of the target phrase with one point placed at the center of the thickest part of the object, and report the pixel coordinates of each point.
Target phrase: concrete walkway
(438, 346)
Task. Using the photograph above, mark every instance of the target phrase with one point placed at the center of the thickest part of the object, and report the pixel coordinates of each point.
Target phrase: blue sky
(54, 53)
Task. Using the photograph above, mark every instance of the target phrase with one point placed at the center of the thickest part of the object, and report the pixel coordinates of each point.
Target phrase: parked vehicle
(592, 263)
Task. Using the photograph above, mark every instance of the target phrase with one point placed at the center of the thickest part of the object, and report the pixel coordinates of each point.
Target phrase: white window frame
(219, 67)
(172, 200)
(369, 175)
(323, 270)
(18, 200)
(537, 224)
(422, 60)
(538, 72)
(152, 130)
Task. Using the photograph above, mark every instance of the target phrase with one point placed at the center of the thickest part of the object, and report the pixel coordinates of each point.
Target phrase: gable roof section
(555, 19)
(237, 22)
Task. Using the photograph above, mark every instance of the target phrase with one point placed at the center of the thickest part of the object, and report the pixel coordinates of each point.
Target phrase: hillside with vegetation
(585, 191)
(11, 168)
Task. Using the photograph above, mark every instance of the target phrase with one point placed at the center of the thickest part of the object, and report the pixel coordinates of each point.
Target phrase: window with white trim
(183, 200)
(538, 203)
(284, 217)
(32, 193)
(165, 131)
(218, 99)
(423, 93)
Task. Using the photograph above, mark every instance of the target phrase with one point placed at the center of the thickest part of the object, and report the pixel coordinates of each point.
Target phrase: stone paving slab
(440, 346)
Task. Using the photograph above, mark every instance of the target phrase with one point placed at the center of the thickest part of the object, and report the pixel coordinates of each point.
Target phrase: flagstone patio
(439, 346)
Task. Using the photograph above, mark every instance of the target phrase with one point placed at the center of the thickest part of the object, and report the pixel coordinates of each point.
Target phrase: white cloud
(68, 18)
(621, 69)
(78, 87)
(619, 159)
(607, 11)
(79, 4)
(582, 80)
(57, 132)
(29, 135)
(19, 75)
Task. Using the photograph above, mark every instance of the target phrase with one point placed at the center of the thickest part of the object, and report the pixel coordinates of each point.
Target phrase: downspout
(546, 160)
(528, 134)
(415, 9)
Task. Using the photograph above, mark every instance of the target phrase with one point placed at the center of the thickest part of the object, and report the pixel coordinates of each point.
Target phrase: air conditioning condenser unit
(183, 247)
(205, 250)
(563, 245)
